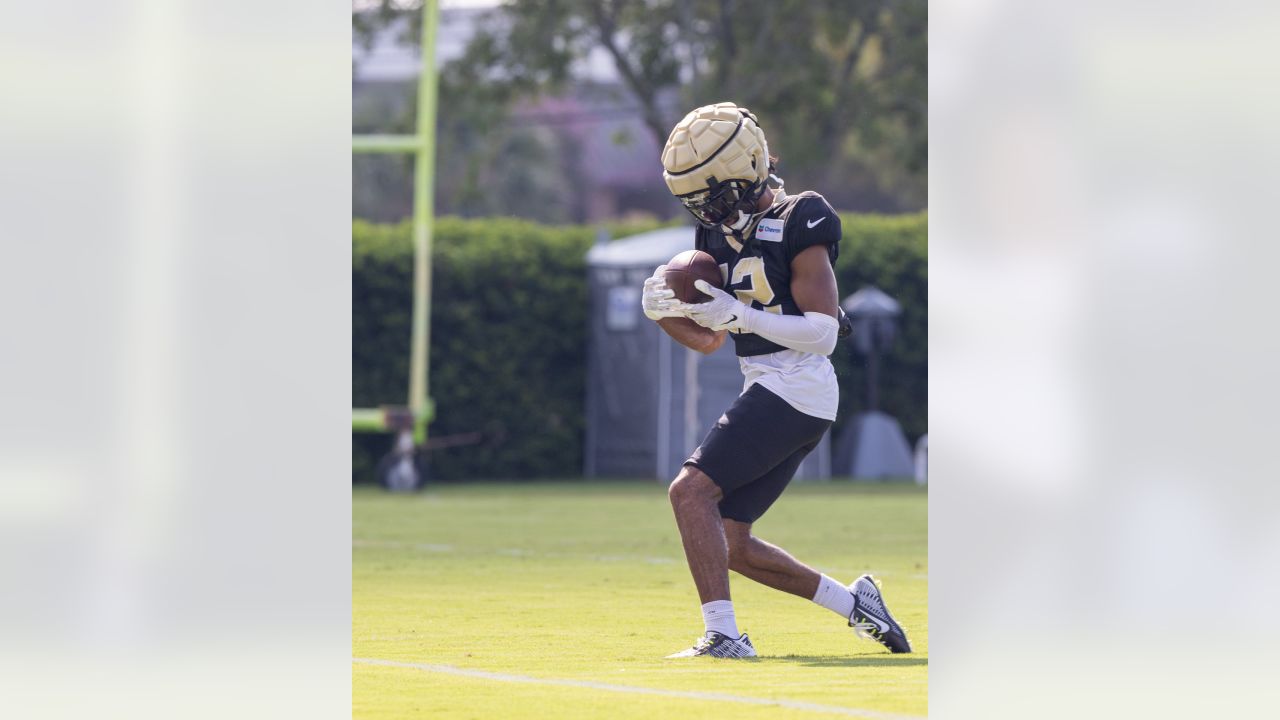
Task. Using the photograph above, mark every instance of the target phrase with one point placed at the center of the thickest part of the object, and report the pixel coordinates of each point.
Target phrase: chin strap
(748, 227)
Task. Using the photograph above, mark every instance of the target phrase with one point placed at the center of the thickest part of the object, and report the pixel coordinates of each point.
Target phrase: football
(687, 267)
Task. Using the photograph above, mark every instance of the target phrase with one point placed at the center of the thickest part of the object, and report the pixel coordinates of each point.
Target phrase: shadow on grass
(847, 660)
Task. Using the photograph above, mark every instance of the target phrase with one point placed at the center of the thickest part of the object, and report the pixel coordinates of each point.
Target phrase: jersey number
(752, 268)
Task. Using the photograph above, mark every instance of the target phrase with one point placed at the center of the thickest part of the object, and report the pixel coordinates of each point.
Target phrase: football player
(780, 306)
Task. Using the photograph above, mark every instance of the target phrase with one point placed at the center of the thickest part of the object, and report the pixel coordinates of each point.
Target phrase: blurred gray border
(1103, 499)
(175, 294)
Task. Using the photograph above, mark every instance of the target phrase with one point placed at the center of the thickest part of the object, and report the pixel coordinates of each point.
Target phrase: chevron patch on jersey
(770, 230)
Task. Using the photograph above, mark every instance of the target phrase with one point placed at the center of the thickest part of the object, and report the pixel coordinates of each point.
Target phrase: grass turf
(587, 582)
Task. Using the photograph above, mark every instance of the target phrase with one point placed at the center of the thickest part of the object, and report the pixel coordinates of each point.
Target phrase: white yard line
(507, 552)
(687, 694)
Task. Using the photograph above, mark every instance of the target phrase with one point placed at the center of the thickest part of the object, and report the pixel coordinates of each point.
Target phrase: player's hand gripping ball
(721, 311)
(658, 301)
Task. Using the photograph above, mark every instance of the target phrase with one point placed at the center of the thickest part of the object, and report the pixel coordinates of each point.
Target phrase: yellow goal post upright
(413, 423)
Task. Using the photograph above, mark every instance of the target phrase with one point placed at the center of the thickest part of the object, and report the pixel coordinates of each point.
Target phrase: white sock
(718, 617)
(834, 597)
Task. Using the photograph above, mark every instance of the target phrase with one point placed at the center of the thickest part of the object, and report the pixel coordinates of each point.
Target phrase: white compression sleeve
(813, 332)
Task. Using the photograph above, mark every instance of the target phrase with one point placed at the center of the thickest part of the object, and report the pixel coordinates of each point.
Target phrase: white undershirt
(805, 380)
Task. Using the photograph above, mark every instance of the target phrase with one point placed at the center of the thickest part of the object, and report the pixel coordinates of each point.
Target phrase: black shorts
(753, 451)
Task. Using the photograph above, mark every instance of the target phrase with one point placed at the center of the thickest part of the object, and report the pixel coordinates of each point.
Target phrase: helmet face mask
(719, 205)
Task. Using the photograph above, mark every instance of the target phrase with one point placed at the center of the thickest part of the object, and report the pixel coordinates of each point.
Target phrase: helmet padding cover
(712, 144)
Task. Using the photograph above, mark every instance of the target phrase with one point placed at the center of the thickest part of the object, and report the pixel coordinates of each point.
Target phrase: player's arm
(813, 332)
(813, 282)
(692, 335)
(661, 306)
(813, 285)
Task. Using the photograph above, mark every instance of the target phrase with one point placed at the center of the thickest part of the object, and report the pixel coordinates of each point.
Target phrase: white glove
(722, 312)
(659, 300)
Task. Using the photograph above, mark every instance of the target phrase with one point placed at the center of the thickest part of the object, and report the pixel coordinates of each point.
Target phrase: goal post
(422, 146)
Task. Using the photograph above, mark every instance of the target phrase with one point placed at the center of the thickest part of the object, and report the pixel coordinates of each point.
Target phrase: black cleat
(715, 644)
(871, 619)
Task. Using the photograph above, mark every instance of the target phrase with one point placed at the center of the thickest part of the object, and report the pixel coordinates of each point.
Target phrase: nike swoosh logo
(814, 224)
(884, 627)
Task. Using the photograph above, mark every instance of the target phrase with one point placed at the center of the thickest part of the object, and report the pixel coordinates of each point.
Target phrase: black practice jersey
(759, 273)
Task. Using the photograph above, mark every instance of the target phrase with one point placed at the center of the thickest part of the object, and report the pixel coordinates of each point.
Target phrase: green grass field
(550, 600)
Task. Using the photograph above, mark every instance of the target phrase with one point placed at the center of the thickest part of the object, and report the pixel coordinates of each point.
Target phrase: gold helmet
(716, 162)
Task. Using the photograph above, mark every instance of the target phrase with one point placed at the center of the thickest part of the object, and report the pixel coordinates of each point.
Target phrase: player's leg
(695, 499)
(752, 557)
(731, 456)
(774, 567)
(860, 603)
(768, 564)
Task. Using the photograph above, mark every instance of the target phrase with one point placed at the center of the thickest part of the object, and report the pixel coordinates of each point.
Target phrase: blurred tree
(840, 86)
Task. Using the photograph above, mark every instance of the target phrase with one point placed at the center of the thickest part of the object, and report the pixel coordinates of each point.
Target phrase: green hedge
(892, 253)
(508, 335)
(508, 341)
